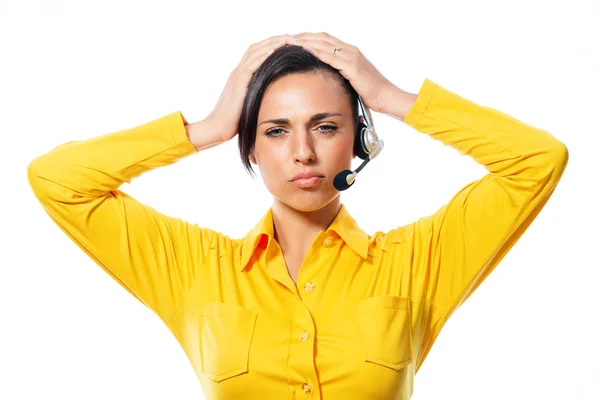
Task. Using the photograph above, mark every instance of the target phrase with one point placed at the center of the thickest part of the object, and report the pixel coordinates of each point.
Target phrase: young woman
(306, 305)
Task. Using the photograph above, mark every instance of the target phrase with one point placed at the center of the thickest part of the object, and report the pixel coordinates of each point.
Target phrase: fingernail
(310, 49)
(291, 39)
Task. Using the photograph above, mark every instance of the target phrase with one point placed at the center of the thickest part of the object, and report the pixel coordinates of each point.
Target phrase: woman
(306, 305)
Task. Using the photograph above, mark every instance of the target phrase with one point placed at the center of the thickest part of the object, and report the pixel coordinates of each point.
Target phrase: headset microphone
(345, 179)
(367, 146)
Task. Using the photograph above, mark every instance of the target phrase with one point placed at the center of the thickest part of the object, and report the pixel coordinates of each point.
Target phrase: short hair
(283, 61)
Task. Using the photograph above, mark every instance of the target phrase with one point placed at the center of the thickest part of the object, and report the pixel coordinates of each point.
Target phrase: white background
(73, 70)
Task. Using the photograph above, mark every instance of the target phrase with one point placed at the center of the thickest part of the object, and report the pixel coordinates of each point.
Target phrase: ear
(252, 158)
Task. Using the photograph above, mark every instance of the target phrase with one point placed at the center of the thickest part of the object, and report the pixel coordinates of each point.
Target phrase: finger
(267, 44)
(321, 36)
(258, 55)
(271, 39)
(324, 52)
(265, 47)
(324, 46)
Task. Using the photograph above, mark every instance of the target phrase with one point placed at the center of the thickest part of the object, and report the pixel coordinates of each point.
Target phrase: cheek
(271, 160)
(341, 153)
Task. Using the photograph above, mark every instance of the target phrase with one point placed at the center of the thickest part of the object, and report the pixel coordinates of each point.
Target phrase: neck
(295, 230)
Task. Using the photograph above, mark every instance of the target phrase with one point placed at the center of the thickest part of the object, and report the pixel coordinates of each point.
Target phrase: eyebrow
(316, 117)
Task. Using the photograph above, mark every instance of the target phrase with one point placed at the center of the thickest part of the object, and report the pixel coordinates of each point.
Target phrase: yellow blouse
(366, 308)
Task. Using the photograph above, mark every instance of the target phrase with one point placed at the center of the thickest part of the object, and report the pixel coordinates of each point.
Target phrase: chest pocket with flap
(385, 325)
(227, 331)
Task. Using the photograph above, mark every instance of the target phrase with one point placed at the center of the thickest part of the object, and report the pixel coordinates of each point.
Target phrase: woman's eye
(330, 128)
(274, 132)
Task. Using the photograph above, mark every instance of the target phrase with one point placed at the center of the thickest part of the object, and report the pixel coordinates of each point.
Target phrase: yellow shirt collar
(343, 224)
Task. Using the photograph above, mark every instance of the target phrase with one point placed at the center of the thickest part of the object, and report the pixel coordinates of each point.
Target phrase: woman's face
(325, 145)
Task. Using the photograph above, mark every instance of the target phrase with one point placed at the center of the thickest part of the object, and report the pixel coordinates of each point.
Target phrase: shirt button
(306, 387)
(304, 336)
(327, 241)
(309, 286)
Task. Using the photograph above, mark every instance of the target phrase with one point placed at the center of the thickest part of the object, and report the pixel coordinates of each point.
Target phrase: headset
(367, 146)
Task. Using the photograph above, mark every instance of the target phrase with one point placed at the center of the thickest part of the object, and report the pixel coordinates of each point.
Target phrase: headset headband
(365, 112)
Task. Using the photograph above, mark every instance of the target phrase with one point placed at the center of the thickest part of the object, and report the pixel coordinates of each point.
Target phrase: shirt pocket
(386, 328)
(226, 336)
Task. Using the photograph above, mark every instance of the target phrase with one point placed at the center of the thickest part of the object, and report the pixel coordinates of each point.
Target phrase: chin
(308, 200)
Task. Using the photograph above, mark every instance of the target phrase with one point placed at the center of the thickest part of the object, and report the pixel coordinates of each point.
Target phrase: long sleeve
(153, 256)
(459, 245)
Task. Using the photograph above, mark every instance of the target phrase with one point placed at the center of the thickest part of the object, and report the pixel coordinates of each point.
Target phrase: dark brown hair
(285, 60)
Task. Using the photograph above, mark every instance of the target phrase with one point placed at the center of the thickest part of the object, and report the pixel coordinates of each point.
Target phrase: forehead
(302, 94)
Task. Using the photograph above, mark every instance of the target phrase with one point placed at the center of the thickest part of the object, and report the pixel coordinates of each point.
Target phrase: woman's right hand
(226, 114)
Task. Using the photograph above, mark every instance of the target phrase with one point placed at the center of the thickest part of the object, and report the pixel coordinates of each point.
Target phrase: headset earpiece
(366, 146)
(365, 140)
(358, 141)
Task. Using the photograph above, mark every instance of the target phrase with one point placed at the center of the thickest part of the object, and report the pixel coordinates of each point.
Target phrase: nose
(303, 148)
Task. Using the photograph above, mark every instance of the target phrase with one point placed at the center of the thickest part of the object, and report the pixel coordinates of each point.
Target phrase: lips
(308, 182)
(307, 175)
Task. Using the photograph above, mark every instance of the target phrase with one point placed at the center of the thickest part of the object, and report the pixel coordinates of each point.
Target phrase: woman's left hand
(376, 91)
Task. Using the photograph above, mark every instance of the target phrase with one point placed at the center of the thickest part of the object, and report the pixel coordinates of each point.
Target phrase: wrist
(202, 134)
(399, 102)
